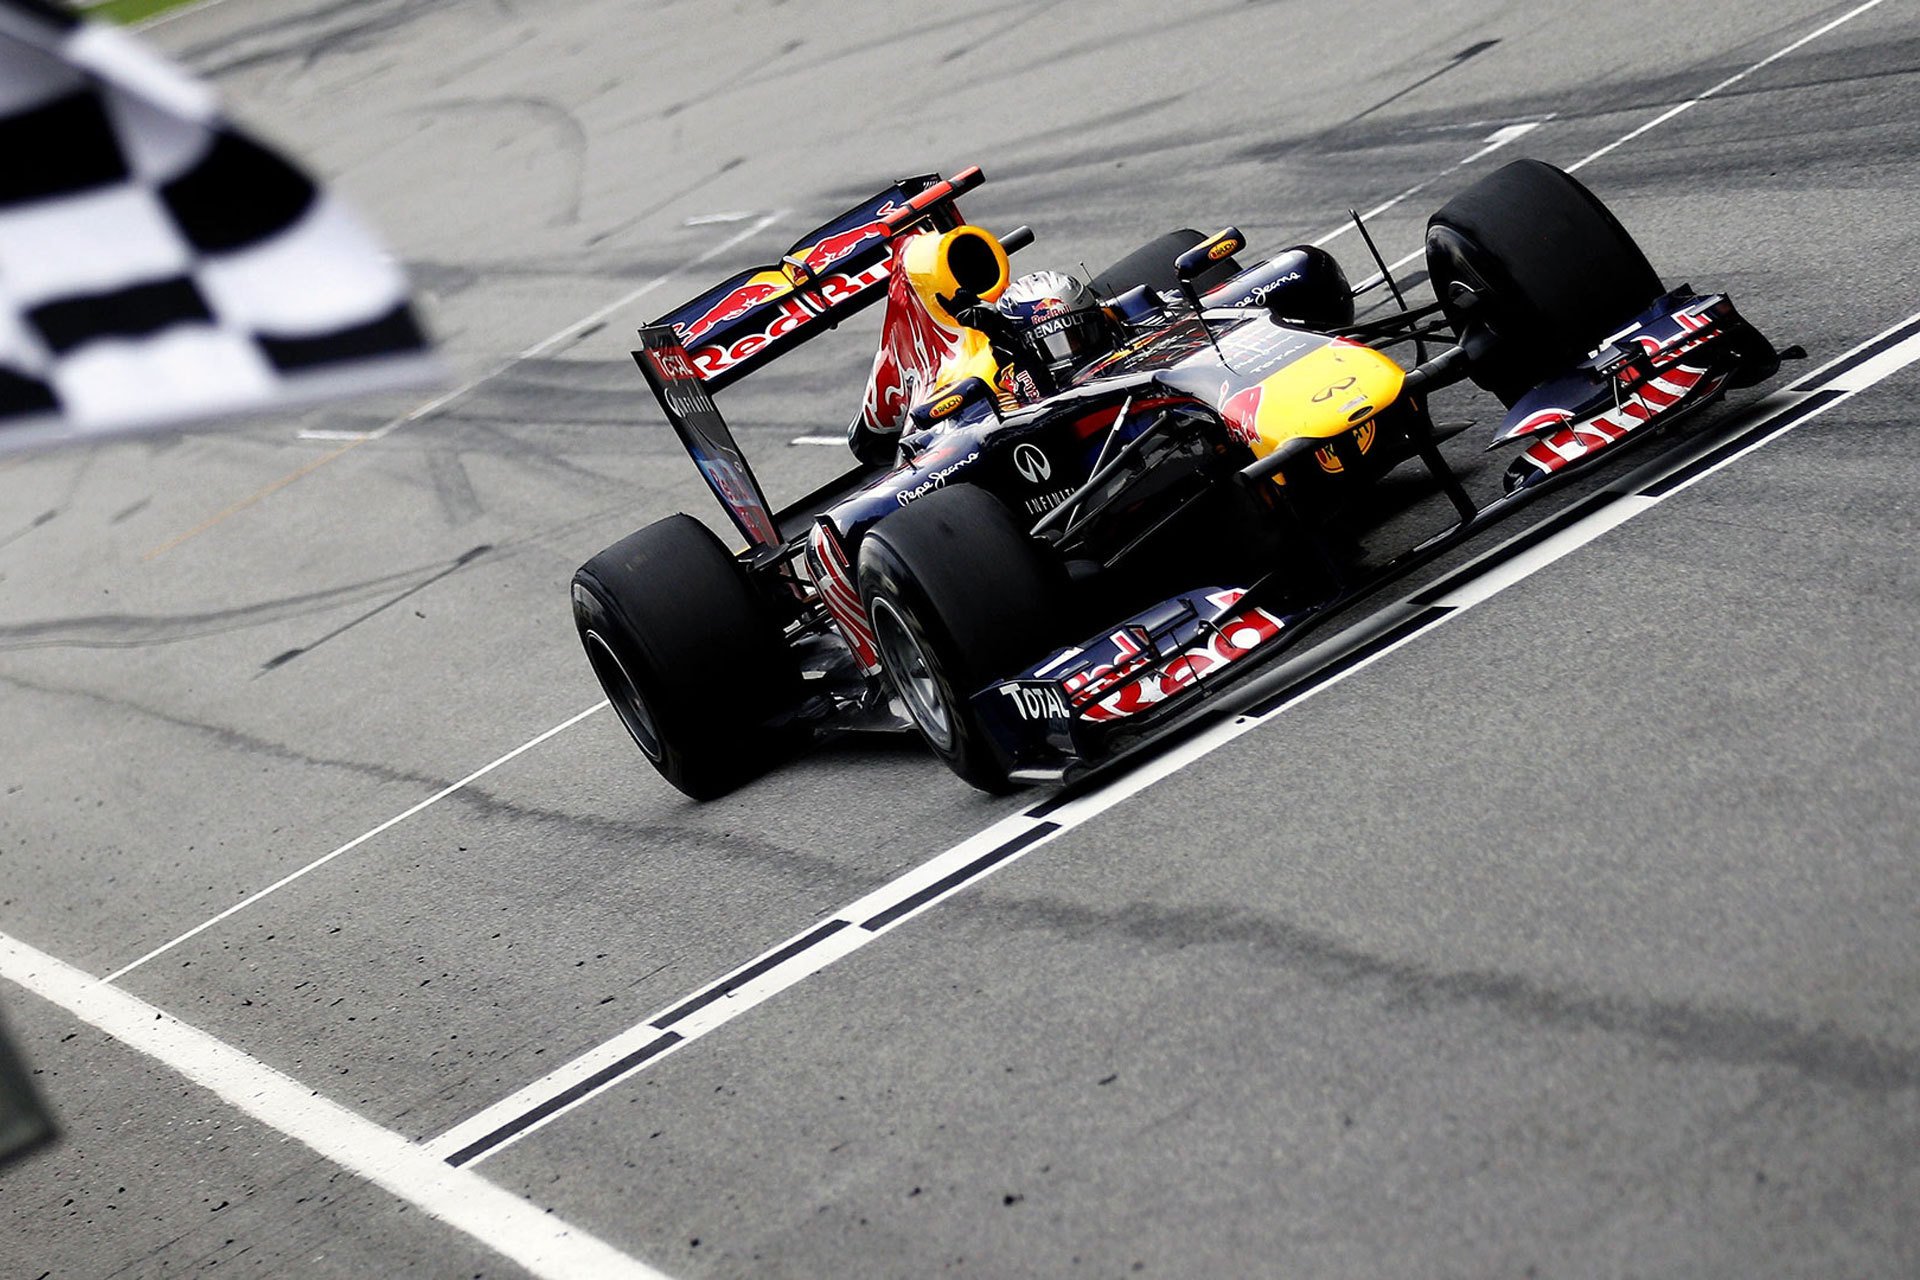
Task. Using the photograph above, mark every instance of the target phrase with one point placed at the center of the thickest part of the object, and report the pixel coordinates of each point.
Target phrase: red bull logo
(827, 250)
(761, 288)
(791, 313)
(1242, 412)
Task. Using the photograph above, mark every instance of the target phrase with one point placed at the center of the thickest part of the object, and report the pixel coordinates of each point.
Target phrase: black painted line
(1718, 455)
(1058, 799)
(1847, 363)
(740, 978)
(978, 867)
(466, 558)
(605, 1076)
(1393, 635)
(1520, 545)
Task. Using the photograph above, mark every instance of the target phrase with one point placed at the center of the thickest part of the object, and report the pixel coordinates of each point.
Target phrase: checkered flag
(158, 266)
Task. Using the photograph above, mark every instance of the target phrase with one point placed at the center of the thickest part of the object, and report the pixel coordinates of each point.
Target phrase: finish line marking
(515, 1228)
(1007, 841)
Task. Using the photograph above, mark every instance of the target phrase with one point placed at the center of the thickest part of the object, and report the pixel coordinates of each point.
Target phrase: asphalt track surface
(1577, 936)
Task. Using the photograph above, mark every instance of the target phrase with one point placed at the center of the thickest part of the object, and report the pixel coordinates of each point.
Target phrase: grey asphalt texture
(1580, 937)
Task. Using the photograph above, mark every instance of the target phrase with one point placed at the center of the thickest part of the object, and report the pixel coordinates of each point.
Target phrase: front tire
(1550, 269)
(697, 671)
(958, 596)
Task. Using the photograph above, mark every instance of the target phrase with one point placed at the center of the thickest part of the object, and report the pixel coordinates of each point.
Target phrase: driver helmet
(1056, 319)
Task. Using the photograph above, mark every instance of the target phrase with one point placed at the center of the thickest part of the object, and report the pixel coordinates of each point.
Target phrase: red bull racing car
(1085, 509)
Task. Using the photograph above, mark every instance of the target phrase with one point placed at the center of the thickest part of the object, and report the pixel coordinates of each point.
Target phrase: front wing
(1076, 706)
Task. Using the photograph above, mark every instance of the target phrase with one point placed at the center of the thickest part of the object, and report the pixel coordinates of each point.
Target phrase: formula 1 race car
(1054, 551)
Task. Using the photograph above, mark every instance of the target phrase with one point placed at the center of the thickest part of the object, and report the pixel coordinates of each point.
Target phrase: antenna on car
(1419, 346)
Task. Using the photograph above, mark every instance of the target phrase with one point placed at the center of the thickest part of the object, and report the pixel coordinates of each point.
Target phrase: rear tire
(690, 660)
(958, 596)
(1553, 270)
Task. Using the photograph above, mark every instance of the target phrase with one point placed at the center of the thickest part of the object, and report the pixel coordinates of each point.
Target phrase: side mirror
(946, 404)
(1216, 248)
(1220, 245)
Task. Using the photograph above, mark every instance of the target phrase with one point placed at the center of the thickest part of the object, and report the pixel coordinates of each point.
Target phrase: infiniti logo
(1031, 464)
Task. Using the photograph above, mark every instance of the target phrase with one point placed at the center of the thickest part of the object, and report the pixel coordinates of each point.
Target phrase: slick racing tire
(1551, 269)
(958, 596)
(690, 660)
(1152, 265)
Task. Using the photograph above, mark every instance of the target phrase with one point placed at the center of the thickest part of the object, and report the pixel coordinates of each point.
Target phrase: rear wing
(763, 313)
(832, 272)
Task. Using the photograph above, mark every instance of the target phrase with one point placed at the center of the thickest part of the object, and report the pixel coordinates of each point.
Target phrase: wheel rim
(624, 695)
(913, 673)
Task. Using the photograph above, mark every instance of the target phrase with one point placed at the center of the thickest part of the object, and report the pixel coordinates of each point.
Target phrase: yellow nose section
(1322, 394)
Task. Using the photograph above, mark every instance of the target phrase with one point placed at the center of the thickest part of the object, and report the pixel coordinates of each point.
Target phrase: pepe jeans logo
(1031, 464)
(935, 480)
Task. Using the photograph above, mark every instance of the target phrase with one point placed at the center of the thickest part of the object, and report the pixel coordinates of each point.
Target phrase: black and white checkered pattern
(158, 266)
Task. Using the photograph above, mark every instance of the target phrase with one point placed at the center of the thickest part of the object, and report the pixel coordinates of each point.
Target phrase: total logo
(1031, 463)
(672, 363)
(1036, 701)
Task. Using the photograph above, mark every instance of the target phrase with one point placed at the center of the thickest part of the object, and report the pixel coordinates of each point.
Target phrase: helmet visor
(1065, 341)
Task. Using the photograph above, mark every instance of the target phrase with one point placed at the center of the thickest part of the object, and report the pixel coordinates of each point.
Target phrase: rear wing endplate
(669, 371)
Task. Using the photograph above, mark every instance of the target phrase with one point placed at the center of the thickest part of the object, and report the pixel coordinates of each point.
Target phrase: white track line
(575, 1083)
(354, 843)
(577, 327)
(515, 1228)
(1624, 138)
(1497, 139)
(1734, 79)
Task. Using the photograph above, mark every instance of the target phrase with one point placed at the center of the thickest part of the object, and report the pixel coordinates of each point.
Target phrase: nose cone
(1322, 394)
